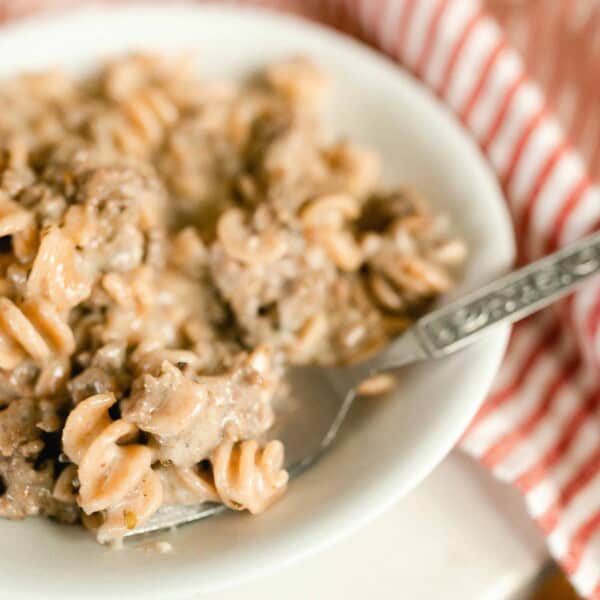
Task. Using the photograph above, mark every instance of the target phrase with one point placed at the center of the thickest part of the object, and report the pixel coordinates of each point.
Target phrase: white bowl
(389, 445)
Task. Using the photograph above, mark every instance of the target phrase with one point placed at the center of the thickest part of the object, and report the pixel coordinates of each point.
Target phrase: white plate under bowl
(389, 445)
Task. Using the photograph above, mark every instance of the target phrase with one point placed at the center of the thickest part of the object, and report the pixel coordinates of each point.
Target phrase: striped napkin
(539, 428)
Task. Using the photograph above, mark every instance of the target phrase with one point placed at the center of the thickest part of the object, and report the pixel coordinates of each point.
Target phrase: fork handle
(510, 298)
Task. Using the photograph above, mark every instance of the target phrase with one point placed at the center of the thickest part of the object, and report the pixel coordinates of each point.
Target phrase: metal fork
(327, 393)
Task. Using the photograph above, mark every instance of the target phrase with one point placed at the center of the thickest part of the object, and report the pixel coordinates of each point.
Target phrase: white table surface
(458, 536)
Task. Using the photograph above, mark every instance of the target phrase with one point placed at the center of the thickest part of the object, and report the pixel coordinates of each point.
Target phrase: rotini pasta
(299, 82)
(13, 218)
(246, 246)
(32, 329)
(123, 77)
(248, 477)
(64, 488)
(57, 273)
(187, 485)
(325, 220)
(115, 477)
(148, 113)
(139, 124)
(167, 247)
(244, 476)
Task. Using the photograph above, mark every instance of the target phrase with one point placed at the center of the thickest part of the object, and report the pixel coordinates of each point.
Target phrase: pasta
(115, 477)
(138, 125)
(187, 485)
(34, 329)
(56, 274)
(64, 488)
(13, 218)
(168, 246)
(249, 477)
(243, 475)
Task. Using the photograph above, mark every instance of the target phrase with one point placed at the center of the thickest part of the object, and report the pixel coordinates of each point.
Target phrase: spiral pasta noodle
(242, 244)
(140, 122)
(124, 76)
(115, 475)
(248, 477)
(133, 292)
(187, 485)
(243, 476)
(139, 315)
(64, 486)
(56, 273)
(32, 329)
(17, 222)
(13, 218)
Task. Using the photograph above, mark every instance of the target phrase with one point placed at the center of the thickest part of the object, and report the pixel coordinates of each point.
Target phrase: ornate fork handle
(510, 298)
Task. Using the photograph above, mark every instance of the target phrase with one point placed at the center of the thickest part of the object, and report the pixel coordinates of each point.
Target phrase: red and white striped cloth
(539, 429)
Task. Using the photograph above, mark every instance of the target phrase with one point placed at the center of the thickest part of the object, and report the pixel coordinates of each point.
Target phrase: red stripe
(565, 310)
(568, 303)
(521, 144)
(595, 157)
(335, 16)
(455, 55)
(532, 38)
(496, 400)
(582, 477)
(352, 15)
(430, 37)
(566, 313)
(535, 39)
(587, 93)
(538, 186)
(501, 449)
(344, 17)
(381, 9)
(538, 472)
(593, 319)
(548, 521)
(352, 23)
(483, 77)
(547, 48)
(565, 212)
(578, 543)
(592, 227)
(362, 23)
(581, 123)
(502, 111)
(405, 20)
(561, 57)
